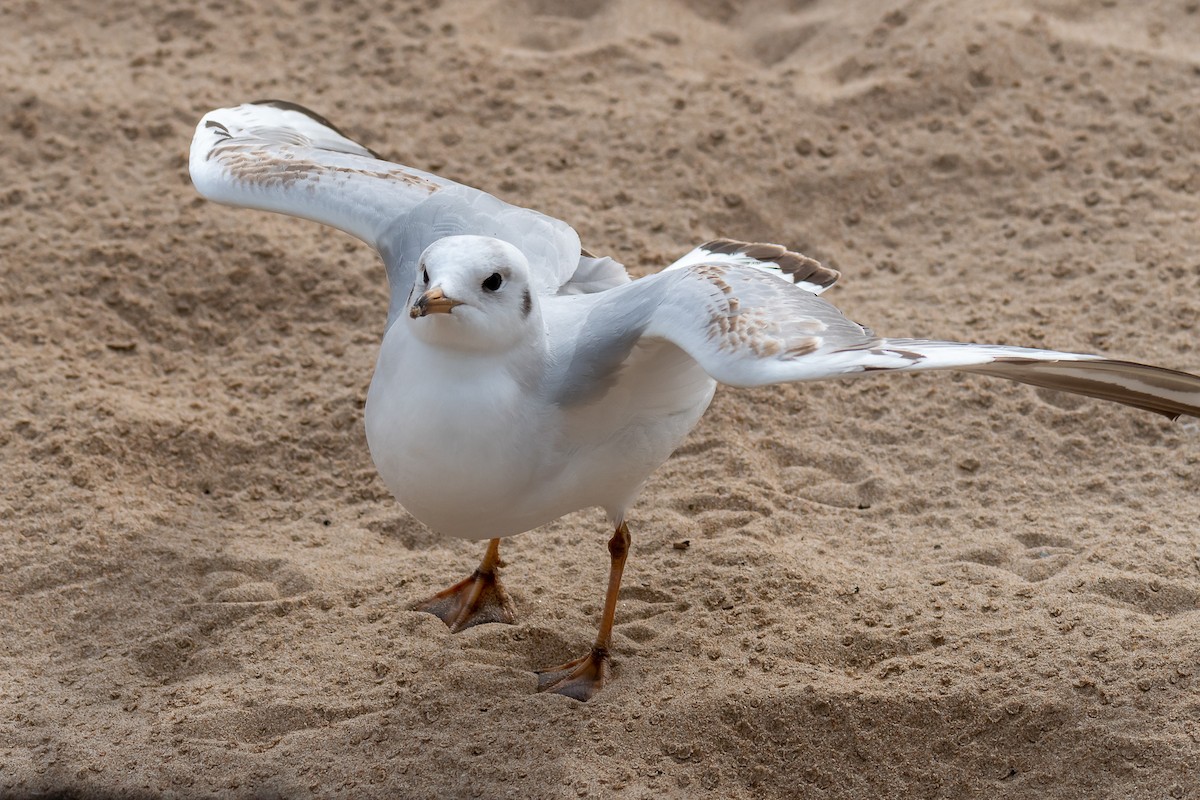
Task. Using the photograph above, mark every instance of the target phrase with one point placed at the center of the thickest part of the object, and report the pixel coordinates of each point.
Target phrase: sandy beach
(933, 585)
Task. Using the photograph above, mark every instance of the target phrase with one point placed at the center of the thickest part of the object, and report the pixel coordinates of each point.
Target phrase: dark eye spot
(492, 282)
(425, 275)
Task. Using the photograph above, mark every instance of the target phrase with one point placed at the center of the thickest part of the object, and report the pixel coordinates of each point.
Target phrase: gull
(521, 378)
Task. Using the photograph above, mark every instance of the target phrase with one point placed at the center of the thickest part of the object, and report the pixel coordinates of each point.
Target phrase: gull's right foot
(478, 599)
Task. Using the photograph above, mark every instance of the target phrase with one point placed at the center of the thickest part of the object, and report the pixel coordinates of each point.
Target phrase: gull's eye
(492, 282)
(425, 275)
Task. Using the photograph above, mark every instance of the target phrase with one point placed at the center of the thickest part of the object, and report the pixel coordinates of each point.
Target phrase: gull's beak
(433, 301)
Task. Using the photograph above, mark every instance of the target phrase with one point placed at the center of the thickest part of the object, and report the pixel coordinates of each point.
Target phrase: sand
(915, 586)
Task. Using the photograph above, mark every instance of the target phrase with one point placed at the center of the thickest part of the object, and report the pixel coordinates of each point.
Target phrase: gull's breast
(456, 441)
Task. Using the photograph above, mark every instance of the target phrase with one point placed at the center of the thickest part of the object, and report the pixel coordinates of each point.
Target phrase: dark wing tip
(1164, 391)
(800, 268)
(287, 105)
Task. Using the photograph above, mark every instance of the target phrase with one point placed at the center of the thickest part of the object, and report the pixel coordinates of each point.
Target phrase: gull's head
(472, 292)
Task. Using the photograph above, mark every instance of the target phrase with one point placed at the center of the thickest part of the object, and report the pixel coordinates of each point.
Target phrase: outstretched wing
(746, 327)
(278, 156)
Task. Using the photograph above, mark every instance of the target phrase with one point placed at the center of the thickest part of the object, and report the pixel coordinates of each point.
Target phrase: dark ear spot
(526, 303)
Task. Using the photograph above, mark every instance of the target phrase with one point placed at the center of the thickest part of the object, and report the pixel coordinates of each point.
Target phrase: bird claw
(579, 679)
(476, 600)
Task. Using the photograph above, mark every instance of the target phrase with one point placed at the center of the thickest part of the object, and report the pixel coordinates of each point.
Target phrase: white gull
(521, 378)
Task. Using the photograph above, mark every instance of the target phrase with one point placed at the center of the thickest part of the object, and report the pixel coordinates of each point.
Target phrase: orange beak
(433, 301)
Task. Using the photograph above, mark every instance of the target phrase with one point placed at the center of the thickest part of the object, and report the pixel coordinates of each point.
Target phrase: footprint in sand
(223, 591)
(556, 24)
(830, 477)
(1043, 556)
(641, 606)
(1152, 596)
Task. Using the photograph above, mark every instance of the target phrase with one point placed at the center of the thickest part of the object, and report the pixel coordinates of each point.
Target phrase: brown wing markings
(735, 329)
(248, 162)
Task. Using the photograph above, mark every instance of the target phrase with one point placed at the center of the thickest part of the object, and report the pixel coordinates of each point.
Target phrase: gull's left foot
(579, 679)
(585, 676)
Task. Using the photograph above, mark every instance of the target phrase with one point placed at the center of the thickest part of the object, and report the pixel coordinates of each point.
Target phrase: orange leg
(478, 599)
(585, 676)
